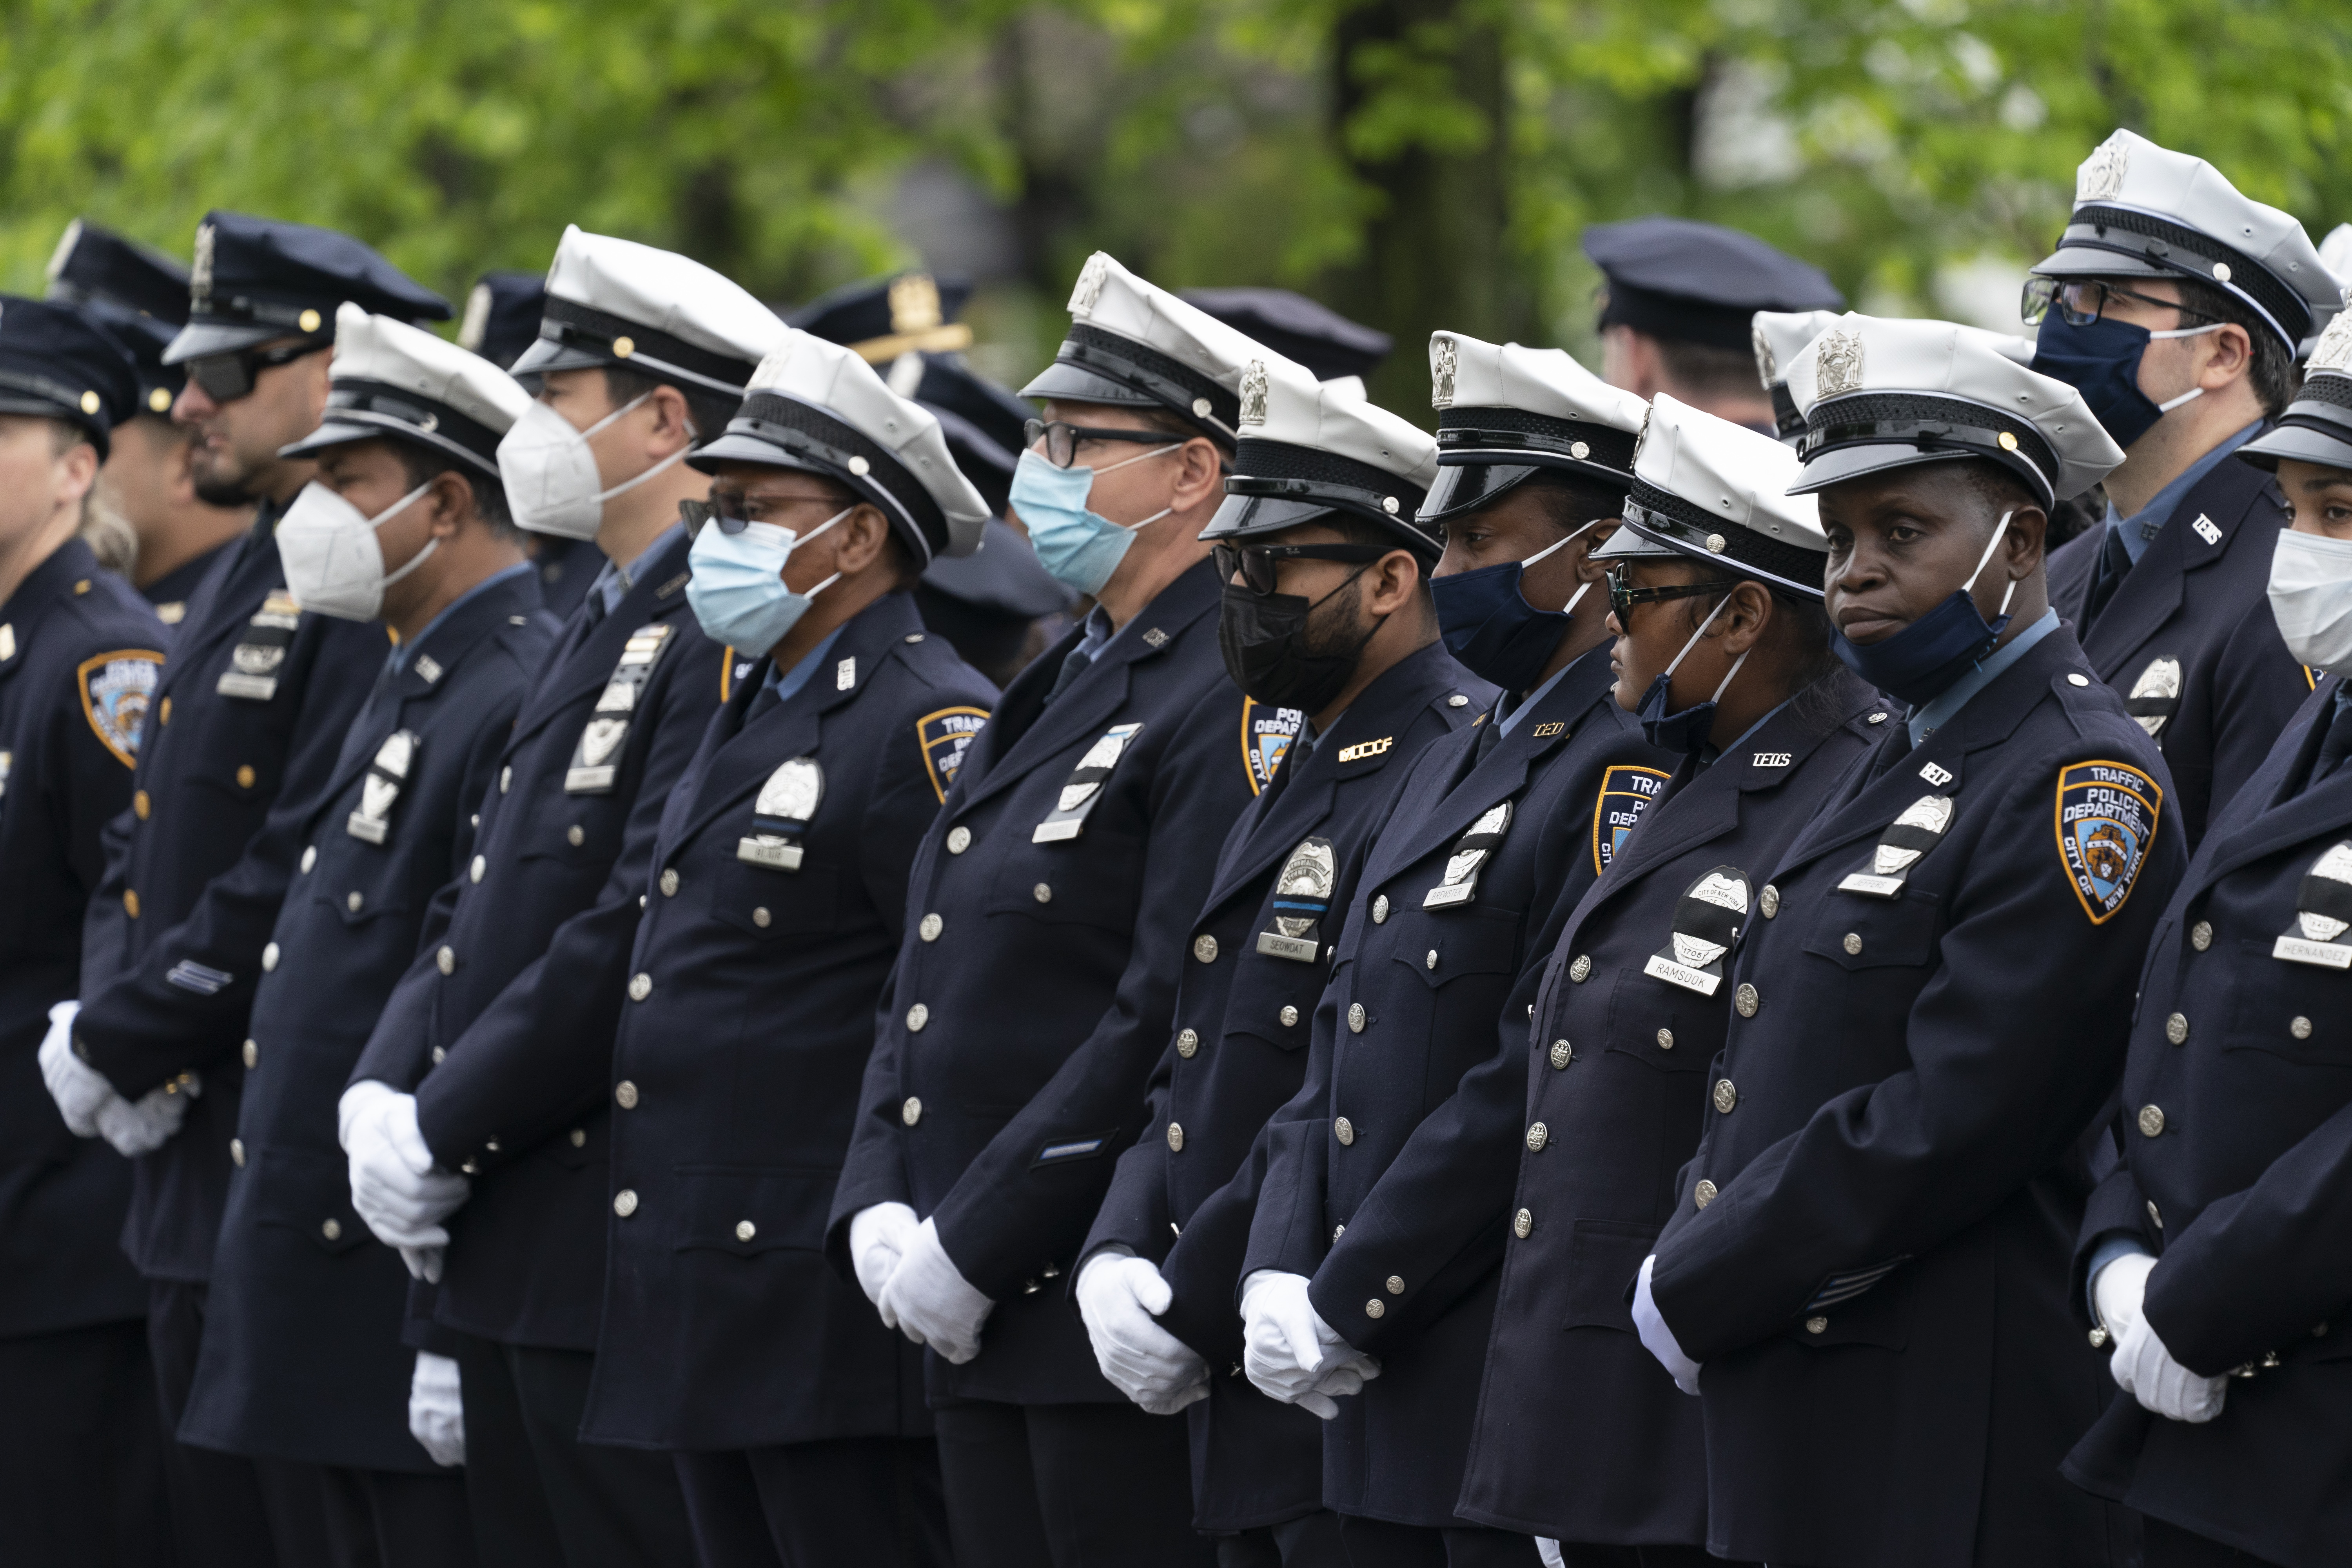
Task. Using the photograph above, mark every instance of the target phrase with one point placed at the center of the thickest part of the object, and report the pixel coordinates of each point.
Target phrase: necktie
(1891, 750)
(1490, 734)
(1074, 663)
(2115, 565)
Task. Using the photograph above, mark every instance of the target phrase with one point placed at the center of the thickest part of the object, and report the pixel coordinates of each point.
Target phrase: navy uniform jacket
(503, 1024)
(1011, 1056)
(170, 593)
(2237, 1129)
(1580, 1436)
(1389, 1176)
(2193, 619)
(235, 763)
(302, 1357)
(1238, 1055)
(567, 568)
(736, 1081)
(1875, 1285)
(79, 657)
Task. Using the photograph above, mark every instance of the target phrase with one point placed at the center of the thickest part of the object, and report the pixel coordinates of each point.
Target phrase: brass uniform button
(912, 1111)
(1744, 1000)
(1205, 948)
(1188, 1044)
(131, 902)
(446, 960)
(1345, 1129)
(333, 1229)
(959, 840)
(745, 1230)
(1044, 894)
(237, 1153)
(668, 883)
(760, 917)
(579, 1138)
(1817, 1325)
(931, 927)
(625, 1094)
(917, 1016)
(1538, 1136)
(2155, 1215)
(481, 865)
(352, 900)
(244, 775)
(576, 836)
(1381, 910)
(1289, 1016)
(1854, 941)
(1703, 1193)
(2300, 1028)
(1175, 1139)
(1727, 1098)
(505, 779)
(624, 1202)
(1581, 970)
(1355, 1018)
(139, 807)
(1768, 901)
(252, 1055)
(2200, 935)
(164, 715)
(641, 985)
(1522, 1224)
(1562, 1053)
(1375, 1308)
(1396, 1284)
(2151, 1120)
(1430, 962)
(2176, 1028)
(309, 858)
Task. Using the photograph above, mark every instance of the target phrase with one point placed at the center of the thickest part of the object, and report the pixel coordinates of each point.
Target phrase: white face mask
(549, 471)
(2311, 597)
(334, 563)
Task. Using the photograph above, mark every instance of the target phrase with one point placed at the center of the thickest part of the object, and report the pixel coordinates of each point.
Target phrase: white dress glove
(1547, 1548)
(1118, 1296)
(144, 1125)
(1290, 1352)
(1658, 1338)
(436, 1409)
(879, 1237)
(78, 1087)
(2143, 1368)
(395, 1187)
(929, 1301)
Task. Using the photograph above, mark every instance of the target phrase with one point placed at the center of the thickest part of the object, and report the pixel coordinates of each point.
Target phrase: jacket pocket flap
(1604, 1260)
(1857, 932)
(308, 1193)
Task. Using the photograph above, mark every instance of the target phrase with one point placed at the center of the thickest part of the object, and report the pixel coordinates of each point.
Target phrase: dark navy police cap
(1699, 282)
(1296, 328)
(55, 361)
(138, 294)
(883, 318)
(255, 278)
(502, 316)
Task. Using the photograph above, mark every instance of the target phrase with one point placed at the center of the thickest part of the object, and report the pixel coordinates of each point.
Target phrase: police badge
(115, 691)
(2101, 176)
(1084, 791)
(2323, 914)
(1302, 899)
(380, 790)
(1254, 394)
(2155, 696)
(1837, 364)
(252, 675)
(1708, 923)
(2106, 820)
(1090, 286)
(1444, 364)
(1919, 830)
(781, 814)
(945, 736)
(1267, 735)
(1471, 853)
(592, 769)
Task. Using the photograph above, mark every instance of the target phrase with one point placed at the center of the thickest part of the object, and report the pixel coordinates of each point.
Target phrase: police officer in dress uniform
(1329, 630)
(483, 1097)
(302, 1355)
(1677, 309)
(2176, 305)
(1373, 1244)
(1868, 1251)
(1057, 889)
(501, 320)
(2214, 1257)
(81, 1477)
(796, 1419)
(248, 719)
(149, 479)
(1633, 1003)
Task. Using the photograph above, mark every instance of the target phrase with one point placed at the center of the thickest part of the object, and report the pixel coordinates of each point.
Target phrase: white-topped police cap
(819, 408)
(2318, 426)
(1133, 344)
(389, 378)
(615, 302)
(1309, 448)
(1716, 492)
(1505, 412)
(1781, 336)
(2145, 210)
(1880, 393)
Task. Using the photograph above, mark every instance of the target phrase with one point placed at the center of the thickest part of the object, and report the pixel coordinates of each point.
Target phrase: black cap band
(1176, 386)
(1515, 436)
(1669, 520)
(411, 417)
(2151, 240)
(1935, 425)
(815, 439)
(663, 355)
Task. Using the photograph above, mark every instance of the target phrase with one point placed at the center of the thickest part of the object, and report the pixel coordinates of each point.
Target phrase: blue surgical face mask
(1491, 629)
(1687, 731)
(2101, 361)
(1920, 662)
(1079, 548)
(738, 589)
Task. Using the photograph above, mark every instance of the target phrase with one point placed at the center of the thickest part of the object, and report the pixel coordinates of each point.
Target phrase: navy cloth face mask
(1918, 663)
(2101, 360)
(1491, 629)
(1687, 731)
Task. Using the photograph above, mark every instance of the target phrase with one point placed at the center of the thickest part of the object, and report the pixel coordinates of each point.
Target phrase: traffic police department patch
(115, 689)
(1626, 793)
(946, 736)
(2106, 816)
(1267, 734)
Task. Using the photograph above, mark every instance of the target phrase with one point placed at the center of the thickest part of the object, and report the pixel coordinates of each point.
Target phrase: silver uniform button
(1188, 1043)
(625, 1094)
(440, 1054)
(1523, 1224)
(237, 1153)
(1854, 941)
(2300, 1028)
(912, 1111)
(931, 927)
(333, 1229)
(2176, 1028)
(2151, 1120)
(352, 900)
(252, 1055)
(1744, 1001)
(1457, 700)
(1665, 1039)
(1355, 1018)
(1768, 901)
(745, 1230)
(1175, 1139)
(579, 1138)
(1396, 1284)
(669, 883)
(576, 836)
(1044, 894)
(959, 840)
(1345, 1129)
(2200, 935)
(1381, 910)
(505, 779)
(1581, 970)
(269, 958)
(445, 961)
(1562, 1053)
(1430, 962)
(624, 1202)
(477, 868)
(641, 985)
(1817, 1325)
(1538, 1136)
(2155, 1214)
(917, 1016)
(1289, 1016)
(760, 917)
(1727, 1098)
(309, 858)
(1205, 948)
(2078, 680)
(1703, 1193)
(1375, 1308)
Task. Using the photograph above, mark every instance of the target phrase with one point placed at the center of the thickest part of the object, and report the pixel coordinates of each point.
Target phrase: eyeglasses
(1062, 439)
(1624, 595)
(2082, 301)
(1256, 563)
(728, 509)
(227, 377)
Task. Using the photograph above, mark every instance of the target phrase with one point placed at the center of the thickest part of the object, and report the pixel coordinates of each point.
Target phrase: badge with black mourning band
(2322, 932)
(387, 776)
(252, 672)
(1471, 853)
(592, 769)
(2156, 695)
(1910, 836)
(1302, 899)
(1708, 920)
(1084, 791)
(781, 814)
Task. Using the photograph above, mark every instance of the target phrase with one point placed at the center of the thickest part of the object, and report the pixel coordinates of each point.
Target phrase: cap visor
(1248, 517)
(1073, 384)
(1627, 544)
(2091, 261)
(2301, 443)
(733, 446)
(333, 433)
(1842, 463)
(546, 354)
(198, 339)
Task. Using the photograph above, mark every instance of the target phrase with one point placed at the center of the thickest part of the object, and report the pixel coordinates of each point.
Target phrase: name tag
(1660, 967)
(2326, 954)
(1874, 887)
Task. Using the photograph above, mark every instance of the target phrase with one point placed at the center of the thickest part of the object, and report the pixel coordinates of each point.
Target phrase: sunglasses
(1062, 439)
(227, 377)
(2079, 301)
(727, 509)
(1624, 595)
(1257, 563)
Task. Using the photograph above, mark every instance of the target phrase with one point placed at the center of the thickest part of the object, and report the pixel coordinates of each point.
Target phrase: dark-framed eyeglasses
(1062, 439)
(1624, 595)
(228, 376)
(2079, 301)
(728, 508)
(1257, 563)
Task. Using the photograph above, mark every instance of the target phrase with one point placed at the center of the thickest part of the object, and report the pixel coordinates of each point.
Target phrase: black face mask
(1273, 653)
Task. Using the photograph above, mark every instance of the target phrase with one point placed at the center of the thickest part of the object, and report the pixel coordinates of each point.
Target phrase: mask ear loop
(2194, 393)
(1562, 543)
(799, 541)
(1985, 560)
(1097, 473)
(413, 561)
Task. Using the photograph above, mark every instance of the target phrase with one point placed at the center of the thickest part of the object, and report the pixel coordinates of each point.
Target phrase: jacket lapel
(2151, 593)
(238, 588)
(2288, 816)
(657, 594)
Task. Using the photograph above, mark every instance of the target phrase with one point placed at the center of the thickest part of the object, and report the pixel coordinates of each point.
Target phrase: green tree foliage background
(1416, 163)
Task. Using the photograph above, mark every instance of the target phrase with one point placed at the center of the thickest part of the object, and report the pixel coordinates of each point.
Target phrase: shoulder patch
(1626, 793)
(2107, 815)
(945, 736)
(115, 689)
(1267, 736)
